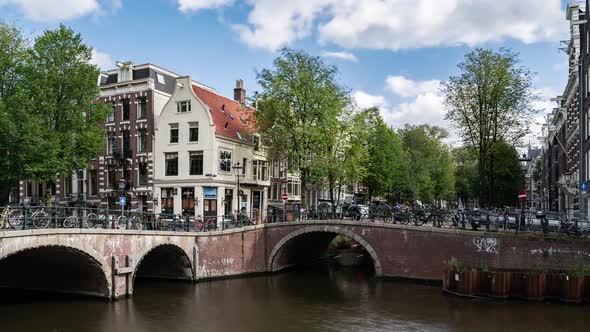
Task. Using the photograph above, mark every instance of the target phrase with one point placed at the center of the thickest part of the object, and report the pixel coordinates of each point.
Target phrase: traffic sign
(285, 196)
(584, 187)
(522, 195)
(122, 201)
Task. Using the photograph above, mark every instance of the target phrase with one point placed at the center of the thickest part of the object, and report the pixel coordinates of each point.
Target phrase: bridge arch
(279, 249)
(164, 261)
(60, 268)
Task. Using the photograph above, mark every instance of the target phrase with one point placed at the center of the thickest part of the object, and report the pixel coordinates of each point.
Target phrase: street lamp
(238, 172)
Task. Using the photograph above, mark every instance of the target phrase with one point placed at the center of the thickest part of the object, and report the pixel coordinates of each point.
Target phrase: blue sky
(390, 53)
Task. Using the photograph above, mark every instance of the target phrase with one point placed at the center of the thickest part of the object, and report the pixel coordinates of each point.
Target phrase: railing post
(55, 216)
(25, 216)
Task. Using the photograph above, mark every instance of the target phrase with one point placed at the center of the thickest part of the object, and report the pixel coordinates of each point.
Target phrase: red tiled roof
(231, 108)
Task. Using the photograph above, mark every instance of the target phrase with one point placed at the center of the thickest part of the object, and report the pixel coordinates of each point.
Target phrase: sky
(390, 53)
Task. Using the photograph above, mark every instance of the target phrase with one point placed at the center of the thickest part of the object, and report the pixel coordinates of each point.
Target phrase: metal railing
(39, 217)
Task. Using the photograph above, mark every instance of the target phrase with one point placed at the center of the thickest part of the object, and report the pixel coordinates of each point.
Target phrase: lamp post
(238, 172)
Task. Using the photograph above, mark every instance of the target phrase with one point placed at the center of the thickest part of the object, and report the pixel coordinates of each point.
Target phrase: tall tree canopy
(490, 102)
(49, 109)
(299, 111)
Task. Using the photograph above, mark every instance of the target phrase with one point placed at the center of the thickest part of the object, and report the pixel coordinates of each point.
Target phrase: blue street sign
(584, 187)
(122, 201)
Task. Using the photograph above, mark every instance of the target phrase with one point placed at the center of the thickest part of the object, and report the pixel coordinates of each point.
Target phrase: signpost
(522, 195)
(584, 187)
(285, 197)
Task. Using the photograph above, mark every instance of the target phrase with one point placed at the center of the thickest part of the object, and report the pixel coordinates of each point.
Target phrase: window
(111, 176)
(167, 201)
(160, 78)
(244, 164)
(225, 161)
(231, 116)
(141, 107)
(260, 170)
(80, 178)
(126, 144)
(125, 74)
(143, 174)
(239, 136)
(183, 106)
(126, 110)
(171, 163)
(193, 132)
(188, 201)
(174, 133)
(93, 182)
(294, 186)
(196, 162)
(111, 143)
(142, 140)
(68, 185)
(111, 114)
(29, 192)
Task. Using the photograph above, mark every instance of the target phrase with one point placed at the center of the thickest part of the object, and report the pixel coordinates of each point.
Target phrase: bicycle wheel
(40, 219)
(16, 220)
(70, 222)
(419, 220)
(121, 222)
(92, 220)
(136, 223)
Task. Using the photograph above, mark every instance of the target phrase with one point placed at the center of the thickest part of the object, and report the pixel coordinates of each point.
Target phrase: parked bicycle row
(40, 217)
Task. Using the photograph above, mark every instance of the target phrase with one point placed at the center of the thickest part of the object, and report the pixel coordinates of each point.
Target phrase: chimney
(240, 92)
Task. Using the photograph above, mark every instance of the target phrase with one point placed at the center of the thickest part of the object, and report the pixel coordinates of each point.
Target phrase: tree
(388, 167)
(299, 111)
(52, 124)
(13, 54)
(490, 102)
(431, 165)
(466, 180)
(508, 174)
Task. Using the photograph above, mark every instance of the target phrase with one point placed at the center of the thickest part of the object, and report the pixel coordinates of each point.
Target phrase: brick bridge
(105, 263)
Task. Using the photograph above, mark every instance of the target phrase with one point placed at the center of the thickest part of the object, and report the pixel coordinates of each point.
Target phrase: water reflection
(312, 300)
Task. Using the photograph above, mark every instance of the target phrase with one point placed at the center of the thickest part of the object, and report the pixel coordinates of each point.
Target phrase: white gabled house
(200, 138)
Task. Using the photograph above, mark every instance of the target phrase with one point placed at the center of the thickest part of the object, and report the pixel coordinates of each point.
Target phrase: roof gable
(230, 118)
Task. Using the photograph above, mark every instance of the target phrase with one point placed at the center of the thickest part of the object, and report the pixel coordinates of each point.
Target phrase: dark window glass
(142, 108)
(126, 110)
(196, 163)
(112, 176)
(174, 135)
(93, 182)
(171, 163)
(143, 174)
(142, 140)
(225, 161)
(193, 134)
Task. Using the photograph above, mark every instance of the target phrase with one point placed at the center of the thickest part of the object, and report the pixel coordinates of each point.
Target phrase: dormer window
(125, 71)
(183, 106)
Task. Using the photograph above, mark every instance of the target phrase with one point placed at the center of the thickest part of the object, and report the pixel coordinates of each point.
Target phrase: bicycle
(129, 220)
(101, 219)
(204, 225)
(459, 219)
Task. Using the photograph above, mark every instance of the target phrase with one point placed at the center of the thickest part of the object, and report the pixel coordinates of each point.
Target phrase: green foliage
(300, 109)
(431, 163)
(579, 270)
(466, 180)
(490, 101)
(49, 111)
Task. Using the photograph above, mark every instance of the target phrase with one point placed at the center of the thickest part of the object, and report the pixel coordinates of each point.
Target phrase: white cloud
(364, 100)
(396, 24)
(404, 87)
(195, 5)
(544, 106)
(340, 55)
(53, 10)
(103, 60)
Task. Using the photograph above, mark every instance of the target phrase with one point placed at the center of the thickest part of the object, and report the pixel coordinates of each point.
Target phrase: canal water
(330, 299)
